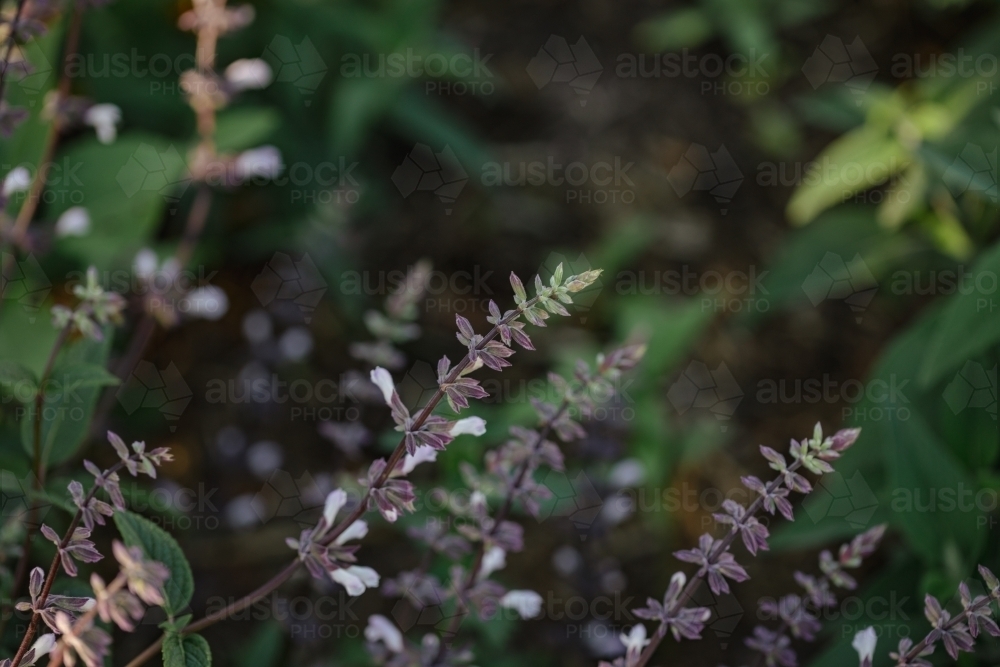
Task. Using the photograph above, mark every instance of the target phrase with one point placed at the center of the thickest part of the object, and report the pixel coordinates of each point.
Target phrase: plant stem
(720, 549)
(38, 465)
(362, 507)
(50, 578)
(917, 648)
(502, 512)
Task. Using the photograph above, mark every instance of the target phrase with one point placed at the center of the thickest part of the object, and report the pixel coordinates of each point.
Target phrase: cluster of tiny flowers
(718, 566)
(71, 619)
(509, 475)
(325, 558)
(800, 614)
(957, 633)
(96, 309)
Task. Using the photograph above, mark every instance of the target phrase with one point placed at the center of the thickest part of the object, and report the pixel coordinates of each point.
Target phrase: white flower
(44, 645)
(334, 502)
(864, 643)
(248, 74)
(260, 162)
(422, 454)
(471, 425)
(209, 302)
(18, 179)
(381, 378)
(355, 578)
(355, 531)
(494, 559)
(145, 263)
(104, 118)
(634, 642)
(381, 628)
(527, 604)
(74, 221)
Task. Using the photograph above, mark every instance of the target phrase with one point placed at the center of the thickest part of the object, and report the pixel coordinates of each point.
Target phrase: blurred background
(794, 204)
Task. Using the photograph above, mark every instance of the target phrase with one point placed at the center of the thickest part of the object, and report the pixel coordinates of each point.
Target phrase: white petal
(209, 302)
(353, 585)
(493, 560)
(864, 643)
(422, 454)
(44, 645)
(249, 73)
(145, 263)
(381, 628)
(527, 604)
(104, 118)
(383, 380)
(74, 221)
(355, 531)
(336, 500)
(261, 162)
(367, 575)
(17, 180)
(471, 425)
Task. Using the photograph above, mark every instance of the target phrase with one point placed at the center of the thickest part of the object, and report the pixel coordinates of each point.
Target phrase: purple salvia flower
(817, 590)
(862, 546)
(110, 482)
(686, 622)
(955, 638)
(979, 613)
(86, 643)
(53, 603)
(905, 645)
(119, 607)
(774, 646)
(145, 578)
(460, 390)
(140, 461)
(93, 511)
(835, 573)
(776, 499)
(992, 583)
(793, 480)
(393, 497)
(78, 547)
(752, 531)
(512, 331)
(717, 571)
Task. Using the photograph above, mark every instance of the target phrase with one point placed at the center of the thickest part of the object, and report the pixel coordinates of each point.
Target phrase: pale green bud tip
(583, 280)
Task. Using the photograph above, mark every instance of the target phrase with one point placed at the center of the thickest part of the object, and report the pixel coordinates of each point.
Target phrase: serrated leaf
(159, 546)
(187, 651)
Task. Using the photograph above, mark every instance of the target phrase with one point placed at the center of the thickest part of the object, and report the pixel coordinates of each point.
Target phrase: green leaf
(681, 28)
(929, 500)
(968, 326)
(187, 651)
(245, 127)
(82, 375)
(71, 394)
(125, 188)
(157, 545)
(264, 649)
(18, 380)
(857, 161)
